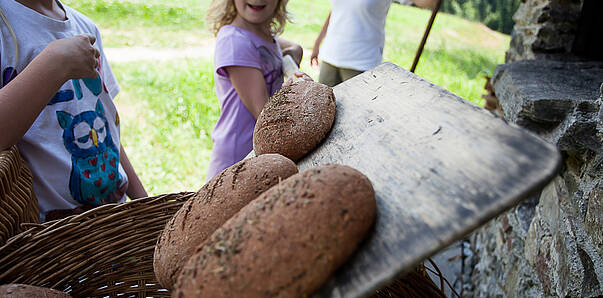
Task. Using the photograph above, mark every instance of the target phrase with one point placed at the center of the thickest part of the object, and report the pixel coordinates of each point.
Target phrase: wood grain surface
(440, 166)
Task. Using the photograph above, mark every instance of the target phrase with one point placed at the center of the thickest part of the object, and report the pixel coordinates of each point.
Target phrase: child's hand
(79, 59)
(299, 75)
(314, 57)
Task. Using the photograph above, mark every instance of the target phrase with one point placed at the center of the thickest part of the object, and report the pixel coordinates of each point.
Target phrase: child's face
(258, 12)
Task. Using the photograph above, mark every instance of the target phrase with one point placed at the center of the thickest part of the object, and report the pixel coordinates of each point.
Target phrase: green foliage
(496, 14)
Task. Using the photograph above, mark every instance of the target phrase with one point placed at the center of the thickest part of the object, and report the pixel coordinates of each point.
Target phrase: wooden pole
(424, 40)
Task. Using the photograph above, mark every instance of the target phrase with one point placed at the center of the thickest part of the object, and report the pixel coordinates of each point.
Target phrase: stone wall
(550, 245)
(544, 29)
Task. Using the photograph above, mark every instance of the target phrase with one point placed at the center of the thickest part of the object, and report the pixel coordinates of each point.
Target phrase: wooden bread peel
(440, 166)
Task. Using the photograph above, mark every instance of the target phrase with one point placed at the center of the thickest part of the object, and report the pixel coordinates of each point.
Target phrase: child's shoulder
(231, 31)
(239, 37)
(234, 36)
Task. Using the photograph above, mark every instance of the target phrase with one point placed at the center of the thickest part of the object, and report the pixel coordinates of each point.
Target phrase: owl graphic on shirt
(95, 177)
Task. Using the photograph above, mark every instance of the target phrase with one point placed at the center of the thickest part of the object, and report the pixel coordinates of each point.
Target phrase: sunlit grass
(147, 23)
(168, 111)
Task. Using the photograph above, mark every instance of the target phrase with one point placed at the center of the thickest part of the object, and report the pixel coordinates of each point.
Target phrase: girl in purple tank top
(248, 70)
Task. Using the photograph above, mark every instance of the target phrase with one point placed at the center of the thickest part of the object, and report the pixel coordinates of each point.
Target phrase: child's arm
(135, 188)
(321, 36)
(290, 48)
(250, 86)
(22, 100)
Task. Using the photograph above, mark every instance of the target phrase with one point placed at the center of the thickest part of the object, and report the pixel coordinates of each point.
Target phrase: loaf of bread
(27, 291)
(295, 120)
(287, 242)
(214, 204)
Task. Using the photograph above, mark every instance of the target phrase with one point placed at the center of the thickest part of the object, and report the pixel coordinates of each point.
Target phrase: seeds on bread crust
(288, 241)
(295, 120)
(217, 201)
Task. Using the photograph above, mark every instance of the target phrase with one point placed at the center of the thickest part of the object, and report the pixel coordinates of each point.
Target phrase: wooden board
(441, 167)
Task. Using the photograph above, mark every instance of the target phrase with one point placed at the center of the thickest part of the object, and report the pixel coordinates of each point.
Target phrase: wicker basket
(107, 251)
(18, 203)
(415, 284)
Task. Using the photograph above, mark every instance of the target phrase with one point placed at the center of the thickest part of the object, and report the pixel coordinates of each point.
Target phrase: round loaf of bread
(287, 242)
(217, 201)
(27, 291)
(295, 120)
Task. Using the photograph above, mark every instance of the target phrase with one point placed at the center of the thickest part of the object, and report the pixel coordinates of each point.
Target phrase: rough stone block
(544, 29)
(594, 217)
(553, 38)
(552, 245)
(500, 272)
(578, 131)
(541, 102)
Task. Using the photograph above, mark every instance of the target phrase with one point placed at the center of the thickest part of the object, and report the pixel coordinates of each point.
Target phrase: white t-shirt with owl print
(72, 148)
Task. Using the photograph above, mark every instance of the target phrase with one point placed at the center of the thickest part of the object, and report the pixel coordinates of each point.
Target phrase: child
(56, 104)
(248, 65)
(354, 37)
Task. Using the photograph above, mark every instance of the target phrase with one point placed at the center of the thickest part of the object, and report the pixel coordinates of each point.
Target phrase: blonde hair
(223, 12)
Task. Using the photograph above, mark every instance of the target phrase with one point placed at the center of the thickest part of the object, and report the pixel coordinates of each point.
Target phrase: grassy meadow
(168, 107)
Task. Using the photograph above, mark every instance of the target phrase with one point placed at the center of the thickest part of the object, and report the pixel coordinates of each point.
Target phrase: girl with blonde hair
(248, 70)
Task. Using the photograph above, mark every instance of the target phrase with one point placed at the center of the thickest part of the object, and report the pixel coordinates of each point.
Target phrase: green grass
(152, 23)
(457, 55)
(169, 109)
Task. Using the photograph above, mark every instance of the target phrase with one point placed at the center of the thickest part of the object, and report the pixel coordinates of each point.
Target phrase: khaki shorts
(332, 75)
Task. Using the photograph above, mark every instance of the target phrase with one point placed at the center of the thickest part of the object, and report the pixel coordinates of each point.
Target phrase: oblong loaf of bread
(217, 201)
(288, 241)
(295, 120)
(27, 291)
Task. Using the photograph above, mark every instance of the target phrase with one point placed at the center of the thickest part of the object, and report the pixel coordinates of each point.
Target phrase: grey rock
(525, 211)
(594, 217)
(551, 245)
(541, 102)
(544, 29)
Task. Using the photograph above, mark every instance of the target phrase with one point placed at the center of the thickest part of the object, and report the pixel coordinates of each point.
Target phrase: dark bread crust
(295, 120)
(217, 201)
(288, 241)
(26, 291)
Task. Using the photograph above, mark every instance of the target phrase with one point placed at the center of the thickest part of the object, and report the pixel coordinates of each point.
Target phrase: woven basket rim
(106, 251)
(18, 203)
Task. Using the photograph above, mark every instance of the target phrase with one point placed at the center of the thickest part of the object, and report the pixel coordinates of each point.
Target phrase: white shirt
(72, 148)
(356, 34)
